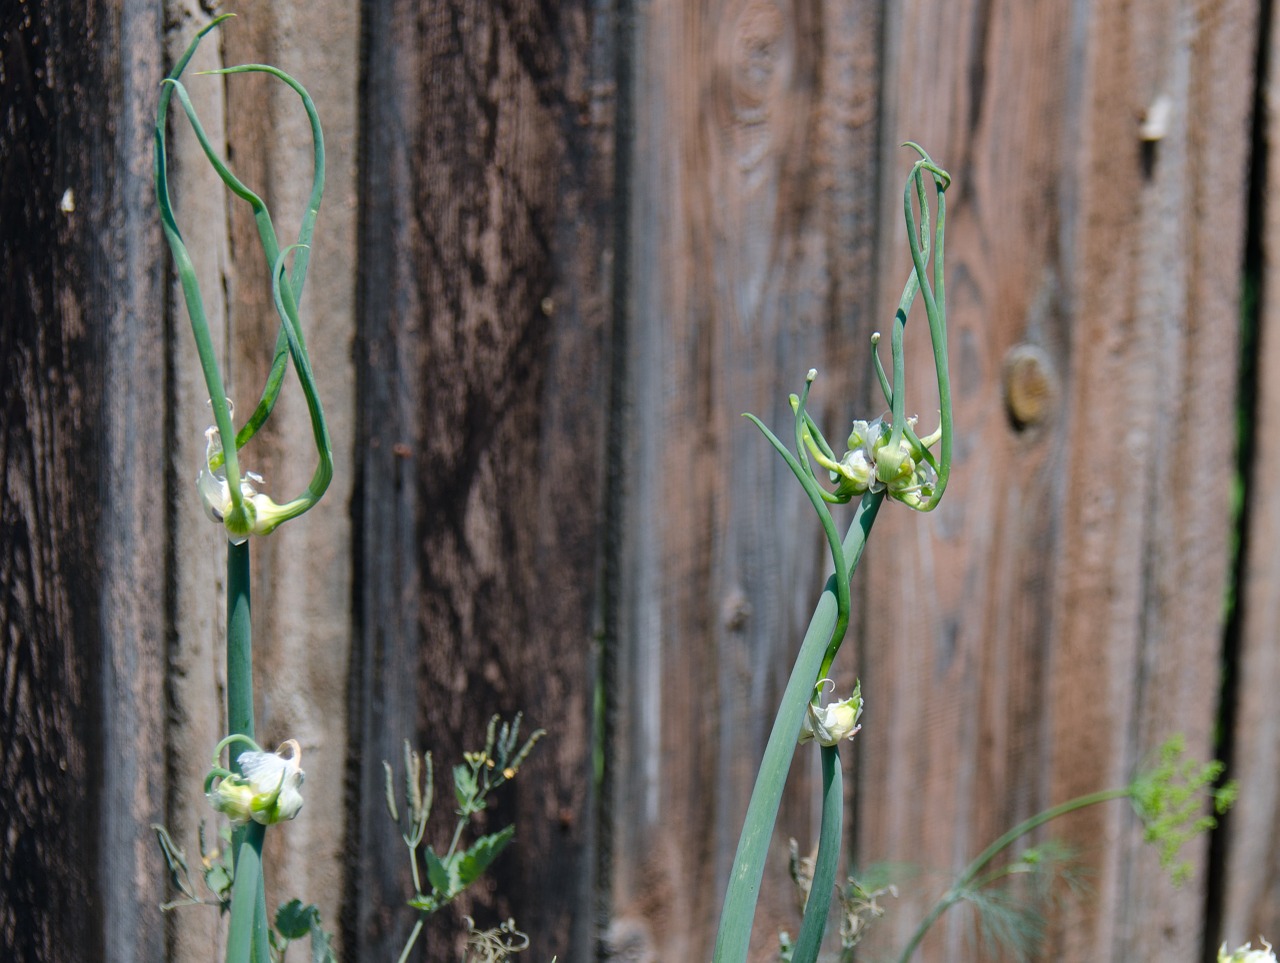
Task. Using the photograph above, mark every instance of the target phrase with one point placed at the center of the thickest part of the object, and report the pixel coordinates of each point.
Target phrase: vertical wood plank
(302, 572)
(197, 646)
(484, 291)
(753, 179)
(1251, 890)
(82, 554)
(1062, 614)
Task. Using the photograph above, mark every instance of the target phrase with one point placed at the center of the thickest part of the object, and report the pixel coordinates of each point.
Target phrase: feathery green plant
(448, 876)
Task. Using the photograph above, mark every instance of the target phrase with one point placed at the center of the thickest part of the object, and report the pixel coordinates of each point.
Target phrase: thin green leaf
(821, 889)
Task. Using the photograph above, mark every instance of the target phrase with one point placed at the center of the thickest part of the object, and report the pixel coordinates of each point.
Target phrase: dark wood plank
(1062, 614)
(82, 485)
(484, 293)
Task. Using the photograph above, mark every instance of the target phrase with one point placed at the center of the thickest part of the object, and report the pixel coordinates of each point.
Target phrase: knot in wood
(1030, 385)
(757, 60)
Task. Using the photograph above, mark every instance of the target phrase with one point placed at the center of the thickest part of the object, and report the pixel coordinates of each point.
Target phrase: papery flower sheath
(827, 725)
(267, 790)
(259, 515)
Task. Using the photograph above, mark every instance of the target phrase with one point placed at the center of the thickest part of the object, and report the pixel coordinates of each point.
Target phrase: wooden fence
(564, 246)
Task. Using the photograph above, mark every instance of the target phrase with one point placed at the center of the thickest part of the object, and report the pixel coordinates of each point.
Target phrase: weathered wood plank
(82, 550)
(197, 648)
(1251, 877)
(1062, 614)
(485, 271)
(752, 192)
(302, 590)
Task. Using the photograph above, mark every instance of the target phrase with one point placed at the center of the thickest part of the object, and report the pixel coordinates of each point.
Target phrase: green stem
(961, 886)
(239, 647)
(734, 936)
(413, 938)
(822, 886)
(187, 276)
(247, 939)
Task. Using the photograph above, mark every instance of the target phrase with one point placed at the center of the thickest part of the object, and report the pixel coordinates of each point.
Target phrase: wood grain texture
(485, 271)
(1251, 888)
(750, 209)
(1062, 614)
(82, 526)
(197, 670)
(302, 590)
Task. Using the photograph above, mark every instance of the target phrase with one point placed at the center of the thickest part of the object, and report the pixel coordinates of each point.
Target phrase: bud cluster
(266, 790)
(875, 462)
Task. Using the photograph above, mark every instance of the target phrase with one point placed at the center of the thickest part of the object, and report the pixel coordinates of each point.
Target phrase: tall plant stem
(239, 647)
(958, 889)
(247, 936)
(734, 936)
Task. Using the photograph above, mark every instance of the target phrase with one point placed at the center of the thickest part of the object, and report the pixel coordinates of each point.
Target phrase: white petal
(264, 770)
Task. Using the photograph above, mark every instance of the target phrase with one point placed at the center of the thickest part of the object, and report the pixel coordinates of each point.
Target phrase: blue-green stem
(818, 907)
(964, 882)
(734, 936)
(292, 328)
(247, 936)
(912, 437)
(266, 229)
(842, 573)
(187, 277)
(934, 296)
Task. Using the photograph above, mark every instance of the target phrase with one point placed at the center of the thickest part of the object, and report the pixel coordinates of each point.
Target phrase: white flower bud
(268, 789)
(1246, 954)
(829, 724)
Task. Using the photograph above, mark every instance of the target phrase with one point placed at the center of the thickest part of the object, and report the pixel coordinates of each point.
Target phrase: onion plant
(883, 458)
(886, 458)
(257, 789)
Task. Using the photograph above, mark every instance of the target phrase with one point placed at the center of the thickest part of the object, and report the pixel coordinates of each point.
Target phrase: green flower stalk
(884, 458)
(258, 789)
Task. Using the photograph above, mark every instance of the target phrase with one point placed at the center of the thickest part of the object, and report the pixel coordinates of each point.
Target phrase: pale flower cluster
(1246, 954)
(259, 514)
(873, 464)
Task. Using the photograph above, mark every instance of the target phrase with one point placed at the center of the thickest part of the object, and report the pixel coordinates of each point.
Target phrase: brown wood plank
(1063, 612)
(752, 190)
(485, 271)
(197, 650)
(1251, 888)
(82, 485)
